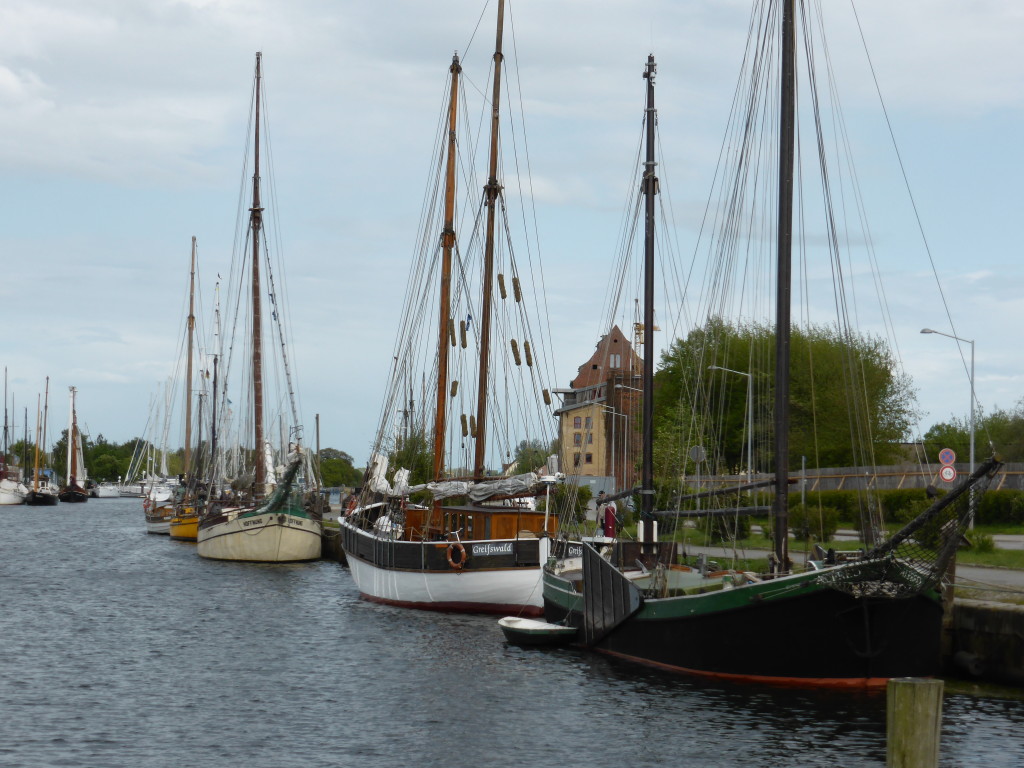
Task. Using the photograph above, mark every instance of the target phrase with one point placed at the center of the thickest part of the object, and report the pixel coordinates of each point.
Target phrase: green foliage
(1004, 428)
(531, 454)
(724, 529)
(902, 504)
(415, 453)
(336, 469)
(1001, 507)
(568, 501)
(847, 504)
(816, 522)
(832, 373)
(981, 542)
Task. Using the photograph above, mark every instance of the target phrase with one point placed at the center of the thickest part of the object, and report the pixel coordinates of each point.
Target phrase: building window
(590, 458)
(576, 422)
(615, 361)
(576, 460)
(577, 439)
(590, 437)
(590, 422)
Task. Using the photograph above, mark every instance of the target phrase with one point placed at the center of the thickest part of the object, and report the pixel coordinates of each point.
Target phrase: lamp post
(971, 342)
(750, 415)
(613, 413)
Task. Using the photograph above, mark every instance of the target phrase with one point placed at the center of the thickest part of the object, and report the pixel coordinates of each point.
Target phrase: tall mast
(787, 112)
(188, 364)
(491, 192)
(35, 472)
(447, 244)
(46, 416)
(5, 417)
(214, 475)
(650, 189)
(71, 469)
(255, 223)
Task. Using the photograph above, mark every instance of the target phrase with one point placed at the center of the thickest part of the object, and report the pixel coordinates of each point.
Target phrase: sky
(124, 126)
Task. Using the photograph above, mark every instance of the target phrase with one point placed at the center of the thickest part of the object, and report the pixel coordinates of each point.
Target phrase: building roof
(600, 365)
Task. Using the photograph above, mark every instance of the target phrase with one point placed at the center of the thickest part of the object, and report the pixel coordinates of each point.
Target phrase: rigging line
(906, 182)
(549, 358)
(476, 28)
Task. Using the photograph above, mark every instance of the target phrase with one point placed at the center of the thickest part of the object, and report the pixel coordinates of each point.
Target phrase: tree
(415, 453)
(531, 455)
(1002, 431)
(336, 469)
(849, 404)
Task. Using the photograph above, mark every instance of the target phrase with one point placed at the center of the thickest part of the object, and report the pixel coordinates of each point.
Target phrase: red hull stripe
(841, 683)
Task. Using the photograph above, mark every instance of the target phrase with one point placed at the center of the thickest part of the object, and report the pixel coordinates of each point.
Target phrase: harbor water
(119, 648)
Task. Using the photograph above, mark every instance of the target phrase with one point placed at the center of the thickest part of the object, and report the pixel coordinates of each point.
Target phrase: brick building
(599, 416)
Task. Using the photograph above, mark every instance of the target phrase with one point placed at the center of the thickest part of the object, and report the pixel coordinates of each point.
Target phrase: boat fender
(456, 546)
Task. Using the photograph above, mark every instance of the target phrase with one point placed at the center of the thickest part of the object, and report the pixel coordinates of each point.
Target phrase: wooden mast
(650, 189)
(783, 289)
(46, 415)
(35, 471)
(72, 470)
(491, 192)
(188, 364)
(447, 244)
(255, 223)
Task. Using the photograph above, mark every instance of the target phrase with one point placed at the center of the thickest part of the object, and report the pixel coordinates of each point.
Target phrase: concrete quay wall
(987, 641)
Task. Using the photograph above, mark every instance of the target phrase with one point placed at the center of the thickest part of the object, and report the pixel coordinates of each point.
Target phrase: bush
(725, 529)
(846, 503)
(981, 542)
(819, 522)
(901, 505)
(1003, 507)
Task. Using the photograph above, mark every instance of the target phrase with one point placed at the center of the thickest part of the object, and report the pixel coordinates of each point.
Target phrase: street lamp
(971, 342)
(750, 414)
(615, 473)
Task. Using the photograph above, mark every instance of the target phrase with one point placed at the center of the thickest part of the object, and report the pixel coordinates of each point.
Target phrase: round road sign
(946, 456)
(948, 474)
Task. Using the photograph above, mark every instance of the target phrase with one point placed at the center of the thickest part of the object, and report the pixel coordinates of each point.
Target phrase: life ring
(456, 546)
(351, 506)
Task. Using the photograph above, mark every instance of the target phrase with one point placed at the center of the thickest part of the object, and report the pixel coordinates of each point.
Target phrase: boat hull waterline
(808, 634)
(509, 582)
(268, 537)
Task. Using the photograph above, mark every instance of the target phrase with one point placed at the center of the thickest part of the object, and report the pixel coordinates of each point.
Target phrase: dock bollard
(913, 720)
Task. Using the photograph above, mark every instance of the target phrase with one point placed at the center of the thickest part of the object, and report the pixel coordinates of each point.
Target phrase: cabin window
(576, 422)
(590, 458)
(577, 438)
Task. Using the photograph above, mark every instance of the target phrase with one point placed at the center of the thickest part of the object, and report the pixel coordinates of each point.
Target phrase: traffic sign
(947, 473)
(946, 456)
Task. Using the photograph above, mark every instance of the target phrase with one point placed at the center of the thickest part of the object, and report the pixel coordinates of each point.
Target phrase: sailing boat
(12, 489)
(408, 540)
(184, 523)
(43, 492)
(73, 490)
(257, 521)
(853, 623)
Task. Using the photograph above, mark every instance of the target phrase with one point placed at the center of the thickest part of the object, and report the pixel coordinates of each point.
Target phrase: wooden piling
(914, 718)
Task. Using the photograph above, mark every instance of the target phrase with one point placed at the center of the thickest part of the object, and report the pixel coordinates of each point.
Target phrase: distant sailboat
(43, 492)
(266, 516)
(73, 490)
(12, 489)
